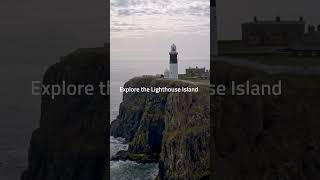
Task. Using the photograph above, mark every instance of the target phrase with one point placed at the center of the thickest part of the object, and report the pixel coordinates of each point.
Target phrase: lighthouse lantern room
(173, 73)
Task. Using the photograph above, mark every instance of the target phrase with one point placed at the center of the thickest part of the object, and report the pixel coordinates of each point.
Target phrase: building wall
(197, 73)
(173, 74)
(276, 33)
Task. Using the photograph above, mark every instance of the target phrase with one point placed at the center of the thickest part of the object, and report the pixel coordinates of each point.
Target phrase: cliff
(71, 141)
(172, 128)
(131, 110)
(266, 137)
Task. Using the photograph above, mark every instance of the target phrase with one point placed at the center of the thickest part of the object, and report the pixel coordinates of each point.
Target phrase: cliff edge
(266, 137)
(71, 141)
(171, 128)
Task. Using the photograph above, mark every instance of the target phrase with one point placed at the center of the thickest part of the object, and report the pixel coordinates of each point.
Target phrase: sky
(40, 31)
(147, 28)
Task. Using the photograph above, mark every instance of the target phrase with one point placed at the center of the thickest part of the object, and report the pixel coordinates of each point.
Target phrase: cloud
(119, 3)
(138, 17)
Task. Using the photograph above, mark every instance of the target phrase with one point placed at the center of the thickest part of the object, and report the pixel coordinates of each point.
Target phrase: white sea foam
(123, 170)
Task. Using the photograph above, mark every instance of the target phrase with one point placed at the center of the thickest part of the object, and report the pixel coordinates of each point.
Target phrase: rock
(186, 143)
(149, 135)
(172, 126)
(131, 110)
(140, 158)
(266, 137)
(71, 142)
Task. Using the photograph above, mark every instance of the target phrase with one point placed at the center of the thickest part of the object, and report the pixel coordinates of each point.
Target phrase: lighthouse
(173, 72)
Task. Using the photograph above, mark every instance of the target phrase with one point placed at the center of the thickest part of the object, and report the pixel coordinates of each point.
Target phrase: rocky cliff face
(131, 110)
(185, 145)
(172, 126)
(266, 137)
(71, 141)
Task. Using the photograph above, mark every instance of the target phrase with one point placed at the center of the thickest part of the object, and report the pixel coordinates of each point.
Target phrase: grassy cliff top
(278, 59)
(268, 55)
(163, 81)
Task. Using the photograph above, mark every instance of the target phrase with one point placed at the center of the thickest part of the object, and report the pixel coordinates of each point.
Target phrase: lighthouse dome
(173, 47)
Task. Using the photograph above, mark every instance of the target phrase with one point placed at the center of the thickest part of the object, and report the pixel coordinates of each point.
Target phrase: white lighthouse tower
(173, 72)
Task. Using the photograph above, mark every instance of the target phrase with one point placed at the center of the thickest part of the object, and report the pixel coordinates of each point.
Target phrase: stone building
(196, 72)
(309, 45)
(272, 33)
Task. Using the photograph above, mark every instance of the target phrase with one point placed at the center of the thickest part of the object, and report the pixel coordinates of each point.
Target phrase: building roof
(275, 22)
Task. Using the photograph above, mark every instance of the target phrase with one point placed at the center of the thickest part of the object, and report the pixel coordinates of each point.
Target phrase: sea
(121, 71)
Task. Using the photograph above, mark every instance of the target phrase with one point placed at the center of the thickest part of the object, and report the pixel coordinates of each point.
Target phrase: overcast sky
(43, 30)
(147, 28)
(40, 31)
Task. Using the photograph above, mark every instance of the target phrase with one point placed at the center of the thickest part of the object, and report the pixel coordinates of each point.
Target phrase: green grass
(204, 81)
(182, 132)
(291, 83)
(264, 54)
(274, 59)
(227, 47)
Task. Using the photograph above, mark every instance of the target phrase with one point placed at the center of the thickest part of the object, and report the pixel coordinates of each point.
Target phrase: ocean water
(124, 170)
(121, 71)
